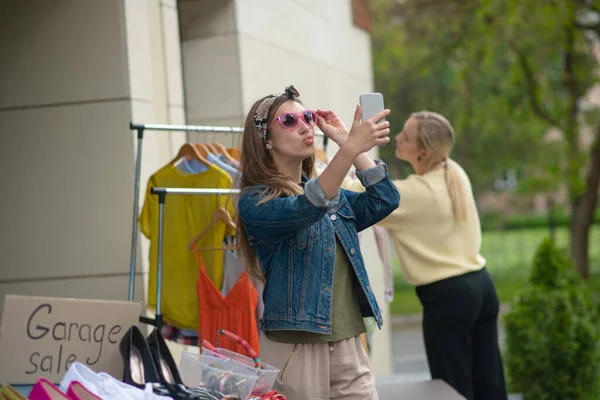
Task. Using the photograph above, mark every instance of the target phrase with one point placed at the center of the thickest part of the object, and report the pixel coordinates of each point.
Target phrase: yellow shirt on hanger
(184, 217)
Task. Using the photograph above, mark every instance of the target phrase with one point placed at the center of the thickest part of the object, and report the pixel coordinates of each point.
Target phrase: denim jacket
(294, 240)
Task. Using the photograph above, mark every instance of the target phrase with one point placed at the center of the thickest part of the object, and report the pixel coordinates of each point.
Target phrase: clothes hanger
(189, 151)
(211, 148)
(222, 215)
(235, 153)
(202, 149)
(222, 150)
(211, 145)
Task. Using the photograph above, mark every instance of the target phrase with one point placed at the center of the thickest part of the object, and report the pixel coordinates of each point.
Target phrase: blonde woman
(437, 235)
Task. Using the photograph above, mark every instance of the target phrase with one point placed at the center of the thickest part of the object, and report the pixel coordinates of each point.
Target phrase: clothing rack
(162, 198)
(162, 195)
(140, 128)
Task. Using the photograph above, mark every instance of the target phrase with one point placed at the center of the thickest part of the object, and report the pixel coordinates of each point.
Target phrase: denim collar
(304, 180)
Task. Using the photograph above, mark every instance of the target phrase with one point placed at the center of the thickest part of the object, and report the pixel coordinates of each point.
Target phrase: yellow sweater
(431, 246)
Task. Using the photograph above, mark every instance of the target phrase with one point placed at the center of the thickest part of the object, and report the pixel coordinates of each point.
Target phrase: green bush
(536, 220)
(495, 220)
(553, 334)
(492, 220)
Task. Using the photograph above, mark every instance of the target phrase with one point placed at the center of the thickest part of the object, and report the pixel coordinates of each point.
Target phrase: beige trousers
(341, 370)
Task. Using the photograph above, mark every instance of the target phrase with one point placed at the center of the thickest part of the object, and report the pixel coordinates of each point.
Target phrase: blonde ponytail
(456, 190)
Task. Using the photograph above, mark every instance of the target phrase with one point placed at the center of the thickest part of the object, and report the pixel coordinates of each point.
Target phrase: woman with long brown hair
(299, 236)
(437, 235)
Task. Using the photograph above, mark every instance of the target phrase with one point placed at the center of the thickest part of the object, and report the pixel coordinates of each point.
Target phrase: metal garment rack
(141, 128)
(162, 194)
(162, 198)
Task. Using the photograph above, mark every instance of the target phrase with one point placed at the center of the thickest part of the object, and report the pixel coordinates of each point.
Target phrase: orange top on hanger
(234, 312)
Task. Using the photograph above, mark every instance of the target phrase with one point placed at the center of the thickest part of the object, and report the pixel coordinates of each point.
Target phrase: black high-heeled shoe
(139, 367)
(169, 373)
(163, 359)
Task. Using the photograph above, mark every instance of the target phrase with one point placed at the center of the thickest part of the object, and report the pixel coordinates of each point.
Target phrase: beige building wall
(211, 64)
(72, 77)
(65, 152)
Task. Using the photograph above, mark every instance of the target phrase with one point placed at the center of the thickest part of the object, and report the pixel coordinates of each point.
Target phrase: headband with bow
(261, 116)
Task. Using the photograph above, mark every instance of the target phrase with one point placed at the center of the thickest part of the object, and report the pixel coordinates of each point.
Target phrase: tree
(424, 63)
(505, 73)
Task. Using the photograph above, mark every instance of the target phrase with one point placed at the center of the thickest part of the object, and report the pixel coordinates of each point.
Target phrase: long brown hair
(258, 168)
(435, 133)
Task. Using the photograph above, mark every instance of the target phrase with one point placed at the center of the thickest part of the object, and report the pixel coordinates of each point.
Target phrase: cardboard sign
(43, 336)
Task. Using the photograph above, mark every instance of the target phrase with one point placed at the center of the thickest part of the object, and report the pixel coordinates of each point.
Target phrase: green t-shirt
(346, 318)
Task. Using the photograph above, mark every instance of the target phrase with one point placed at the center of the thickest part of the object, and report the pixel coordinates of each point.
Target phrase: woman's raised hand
(364, 135)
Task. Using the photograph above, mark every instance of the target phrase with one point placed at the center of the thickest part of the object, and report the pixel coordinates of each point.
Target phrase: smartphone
(371, 104)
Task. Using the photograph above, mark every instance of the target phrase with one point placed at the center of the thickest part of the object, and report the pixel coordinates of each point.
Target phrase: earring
(271, 152)
(419, 158)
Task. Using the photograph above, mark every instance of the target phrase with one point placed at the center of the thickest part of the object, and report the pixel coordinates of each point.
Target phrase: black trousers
(460, 329)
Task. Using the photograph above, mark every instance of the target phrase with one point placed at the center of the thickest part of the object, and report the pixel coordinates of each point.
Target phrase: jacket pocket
(306, 236)
(347, 215)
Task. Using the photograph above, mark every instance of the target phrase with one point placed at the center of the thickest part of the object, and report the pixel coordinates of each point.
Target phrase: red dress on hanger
(235, 312)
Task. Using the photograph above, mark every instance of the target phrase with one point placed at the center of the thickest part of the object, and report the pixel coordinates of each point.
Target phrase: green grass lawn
(509, 256)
